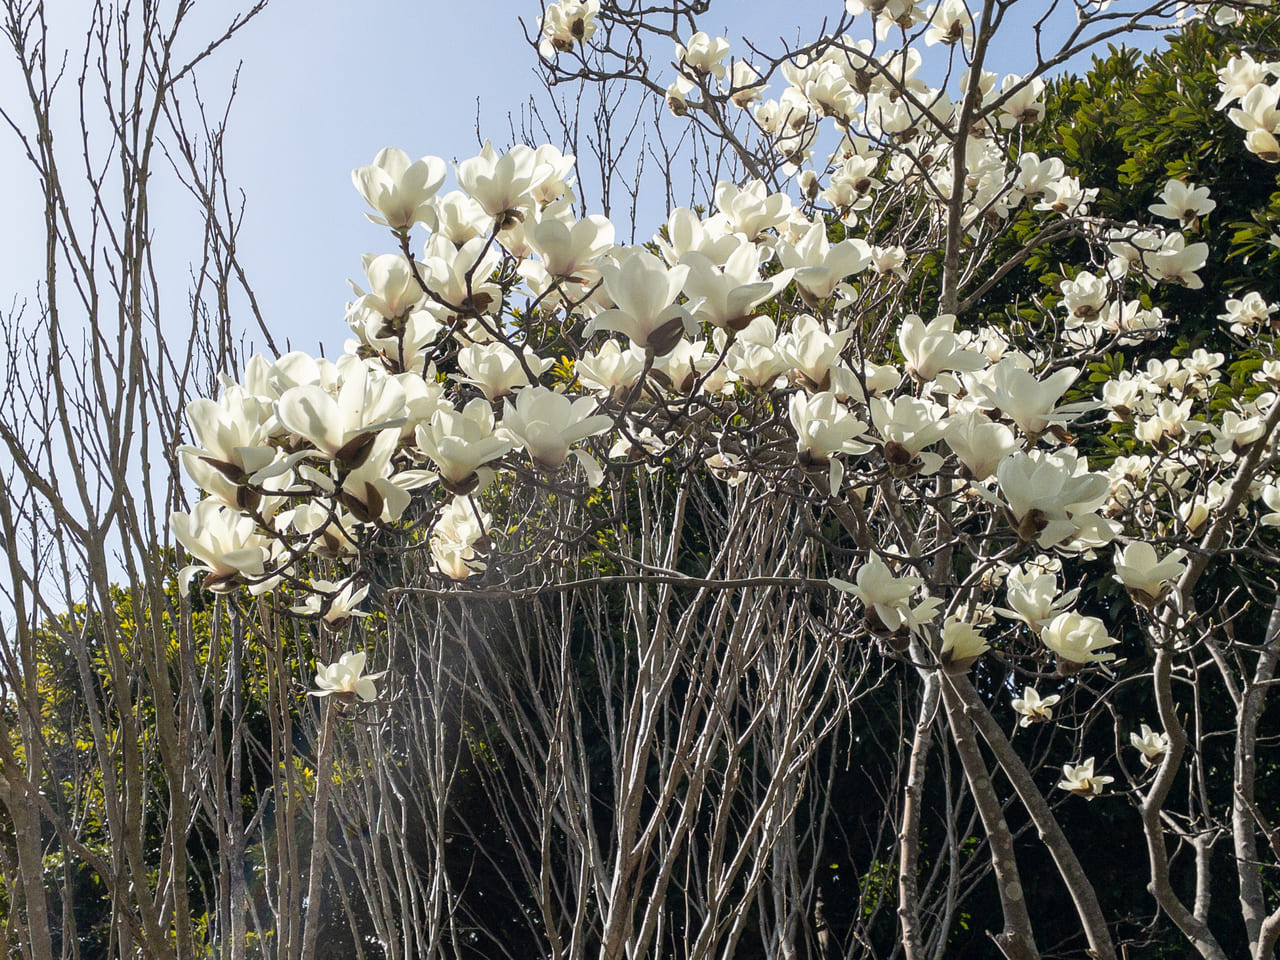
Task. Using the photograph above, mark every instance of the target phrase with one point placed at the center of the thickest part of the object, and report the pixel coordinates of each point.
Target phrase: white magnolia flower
(565, 23)
(568, 250)
(1146, 576)
(346, 678)
(611, 369)
(728, 297)
(457, 539)
(702, 55)
(461, 442)
(1033, 708)
(751, 209)
(1152, 744)
(227, 543)
(962, 644)
(1052, 497)
(813, 353)
(821, 267)
(979, 443)
(886, 597)
(1080, 779)
(1032, 595)
(644, 290)
(746, 87)
(400, 191)
(334, 603)
(497, 370)
(1183, 202)
(342, 425)
(503, 185)
(546, 424)
(1023, 398)
(929, 349)
(1248, 313)
(1077, 638)
(824, 427)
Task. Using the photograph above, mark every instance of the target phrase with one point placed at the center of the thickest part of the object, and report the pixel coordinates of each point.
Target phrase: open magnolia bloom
(231, 436)
(1152, 744)
(1024, 399)
(814, 355)
(400, 191)
(565, 23)
(888, 598)
(930, 349)
(1078, 639)
(497, 370)
(1080, 779)
(1034, 708)
(1032, 595)
(459, 443)
(611, 370)
(457, 540)
(1052, 498)
(979, 443)
(824, 427)
(346, 678)
(342, 425)
(962, 645)
(644, 292)
(547, 424)
(227, 543)
(503, 185)
(1144, 575)
(728, 297)
(333, 603)
(908, 425)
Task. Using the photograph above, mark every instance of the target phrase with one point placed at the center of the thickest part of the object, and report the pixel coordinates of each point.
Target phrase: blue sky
(322, 87)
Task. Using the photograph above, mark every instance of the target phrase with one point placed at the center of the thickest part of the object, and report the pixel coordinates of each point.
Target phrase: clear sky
(325, 84)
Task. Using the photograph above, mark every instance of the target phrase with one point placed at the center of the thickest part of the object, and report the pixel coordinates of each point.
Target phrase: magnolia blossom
(728, 296)
(503, 185)
(1034, 708)
(346, 678)
(461, 442)
(745, 85)
(565, 23)
(1077, 638)
(333, 603)
(497, 370)
(457, 540)
(1152, 744)
(611, 369)
(546, 424)
(930, 349)
(1032, 595)
(1183, 202)
(227, 543)
(400, 191)
(644, 290)
(1052, 497)
(1144, 575)
(962, 644)
(1080, 779)
(1029, 402)
(702, 55)
(888, 598)
(1247, 313)
(824, 427)
(979, 443)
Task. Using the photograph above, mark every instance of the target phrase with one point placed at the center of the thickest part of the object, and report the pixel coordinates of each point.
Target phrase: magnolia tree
(650, 547)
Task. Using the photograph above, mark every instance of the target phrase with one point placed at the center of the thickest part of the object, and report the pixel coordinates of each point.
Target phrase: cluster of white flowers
(523, 342)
